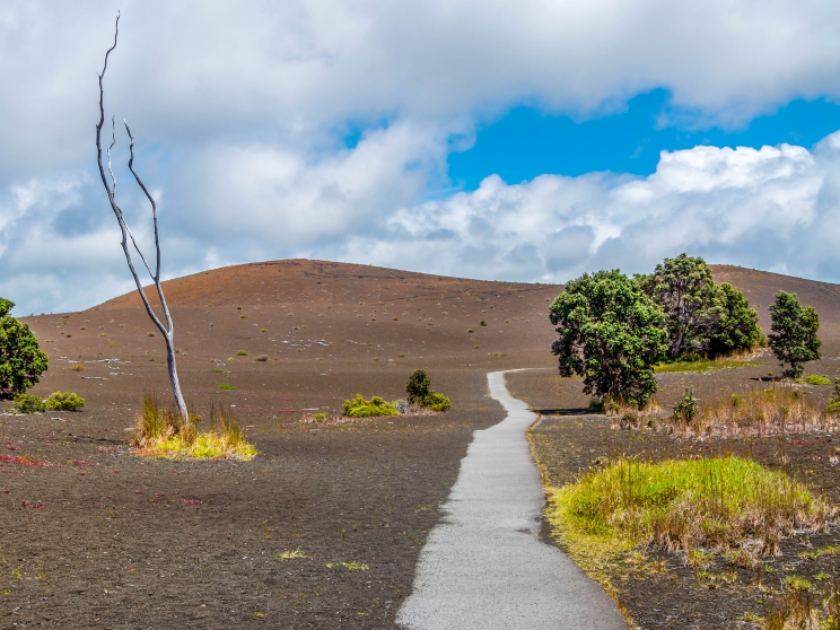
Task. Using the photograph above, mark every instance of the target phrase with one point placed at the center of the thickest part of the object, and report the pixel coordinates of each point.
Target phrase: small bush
(77, 367)
(65, 401)
(358, 407)
(150, 334)
(420, 393)
(227, 386)
(482, 323)
(241, 353)
(436, 402)
(817, 379)
(28, 403)
(418, 386)
(262, 357)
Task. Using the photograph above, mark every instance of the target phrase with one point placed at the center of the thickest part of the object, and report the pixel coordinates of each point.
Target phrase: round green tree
(736, 329)
(611, 333)
(794, 338)
(21, 361)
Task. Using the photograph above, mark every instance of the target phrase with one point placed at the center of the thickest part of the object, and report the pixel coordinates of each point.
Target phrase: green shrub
(817, 379)
(436, 402)
(420, 393)
(28, 403)
(418, 386)
(241, 353)
(65, 401)
(358, 407)
(227, 386)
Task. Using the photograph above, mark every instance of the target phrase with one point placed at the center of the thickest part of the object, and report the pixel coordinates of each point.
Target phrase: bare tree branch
(166, 330)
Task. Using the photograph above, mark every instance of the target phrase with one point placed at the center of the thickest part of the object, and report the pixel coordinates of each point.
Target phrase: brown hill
(760, 288)
(318, 282)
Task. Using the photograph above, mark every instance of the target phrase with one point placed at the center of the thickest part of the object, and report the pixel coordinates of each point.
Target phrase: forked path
(484, 566)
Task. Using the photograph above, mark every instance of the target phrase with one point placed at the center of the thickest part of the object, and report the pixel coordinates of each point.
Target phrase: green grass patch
(717, 504)
(227, 386)
(703, 365)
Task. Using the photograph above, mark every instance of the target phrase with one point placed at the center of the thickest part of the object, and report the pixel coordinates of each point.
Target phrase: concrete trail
(483, 565)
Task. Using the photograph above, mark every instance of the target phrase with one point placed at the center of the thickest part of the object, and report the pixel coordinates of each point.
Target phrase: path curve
(484, 566)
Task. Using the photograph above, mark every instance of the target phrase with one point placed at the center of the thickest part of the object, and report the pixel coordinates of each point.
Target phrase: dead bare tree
(166, 330)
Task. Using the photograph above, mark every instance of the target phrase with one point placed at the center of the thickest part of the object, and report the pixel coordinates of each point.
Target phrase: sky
(530, 141)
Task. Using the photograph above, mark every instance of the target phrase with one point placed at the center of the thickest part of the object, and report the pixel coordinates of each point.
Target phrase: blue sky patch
(526, 143)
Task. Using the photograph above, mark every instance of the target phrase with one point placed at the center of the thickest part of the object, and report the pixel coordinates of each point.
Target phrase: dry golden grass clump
(779, 409)
(161, 432)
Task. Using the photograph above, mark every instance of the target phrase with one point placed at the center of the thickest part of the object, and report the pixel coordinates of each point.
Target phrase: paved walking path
(483, 566)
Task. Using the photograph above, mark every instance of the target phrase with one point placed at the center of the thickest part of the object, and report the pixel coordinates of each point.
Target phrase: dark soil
(92, 536)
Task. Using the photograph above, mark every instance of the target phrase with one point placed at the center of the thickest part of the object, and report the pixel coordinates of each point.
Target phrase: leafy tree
(684, 288)
(611, 333)
(21, 361)
(794, 338)
(737, 327)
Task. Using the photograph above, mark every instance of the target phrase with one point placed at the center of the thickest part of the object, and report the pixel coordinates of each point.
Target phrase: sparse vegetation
(293, 554)
(241, 353)
(227, 386)
(774, 410)
(65, 401)
(77, 367)
(350, 566)
(160, 432)
(263, 358)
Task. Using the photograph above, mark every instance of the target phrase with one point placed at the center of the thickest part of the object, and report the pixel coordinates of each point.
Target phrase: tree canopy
(611, 333)
(736, 329)
(684, 288)
(701, 317)
(794, 338)
(21, 360)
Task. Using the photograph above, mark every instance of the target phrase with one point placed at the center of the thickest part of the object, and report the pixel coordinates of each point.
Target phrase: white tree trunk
(167, 329)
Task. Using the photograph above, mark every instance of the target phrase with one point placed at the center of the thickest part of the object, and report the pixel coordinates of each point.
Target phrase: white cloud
(240, 112)
(767, 208)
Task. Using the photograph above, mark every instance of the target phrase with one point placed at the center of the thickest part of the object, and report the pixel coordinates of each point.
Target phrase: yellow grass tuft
(161, 432)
